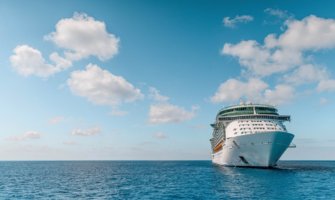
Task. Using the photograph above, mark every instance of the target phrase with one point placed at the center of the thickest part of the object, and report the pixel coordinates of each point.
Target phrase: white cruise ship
(249, 135)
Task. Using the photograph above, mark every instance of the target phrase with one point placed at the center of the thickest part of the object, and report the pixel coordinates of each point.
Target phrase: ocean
(164, 180)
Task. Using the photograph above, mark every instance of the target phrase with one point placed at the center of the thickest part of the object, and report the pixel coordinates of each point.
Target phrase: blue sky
(144, 79)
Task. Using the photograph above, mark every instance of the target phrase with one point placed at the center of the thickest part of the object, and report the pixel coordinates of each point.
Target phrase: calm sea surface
(164, 180)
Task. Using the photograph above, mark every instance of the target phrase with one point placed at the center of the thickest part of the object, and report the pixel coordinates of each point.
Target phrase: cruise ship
(249, 135)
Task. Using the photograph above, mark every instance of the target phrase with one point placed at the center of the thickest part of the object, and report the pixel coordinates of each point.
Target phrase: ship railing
(247, 105)
(257, 116)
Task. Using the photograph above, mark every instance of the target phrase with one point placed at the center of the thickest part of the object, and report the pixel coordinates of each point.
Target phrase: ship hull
(253, 150)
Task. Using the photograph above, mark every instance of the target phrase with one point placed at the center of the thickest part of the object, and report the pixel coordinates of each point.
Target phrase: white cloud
(61, 63)
(306, 34)
(167, 113)
(26, 136)
(254, 90)
(231, 22)
(160, 135)
(101, 87)
(282, 94)
(260, 60)
(80, 36)
(234, 90)
(287, 54)
(28, 61)
(282, 14)
(326, 85)
(287, 51)
(56, 120)
(155, 95)
(306, 74)
(87, 132)
(164, 112)
(83, 36)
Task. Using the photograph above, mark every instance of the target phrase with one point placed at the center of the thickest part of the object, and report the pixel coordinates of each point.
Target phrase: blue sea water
(164, 180)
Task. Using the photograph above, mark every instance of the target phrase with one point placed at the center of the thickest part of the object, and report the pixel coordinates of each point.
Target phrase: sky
(142, 80)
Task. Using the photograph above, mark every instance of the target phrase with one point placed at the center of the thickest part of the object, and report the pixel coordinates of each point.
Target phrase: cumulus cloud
(231, 22)
(167, 113)
(282, 14)
(162, 111)
(233, 90)
(82, 36)
(306, 74)
(26, 136)
(254, 90)
(287, 51)
(282, 94)
(28, 61)
(326, 85)
(61, 63)
(156, 96)
(305, 34)
(86, 132)
(261, 60)
(285, 56)
(101, 87)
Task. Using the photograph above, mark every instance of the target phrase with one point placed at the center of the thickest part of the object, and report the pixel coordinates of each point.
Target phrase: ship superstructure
(250, 135)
